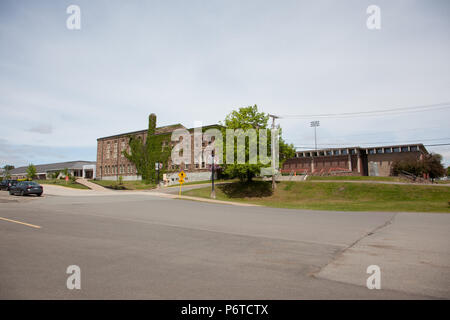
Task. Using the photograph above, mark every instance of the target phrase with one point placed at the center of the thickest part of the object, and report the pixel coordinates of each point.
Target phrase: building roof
(159, 130)
(43, 168)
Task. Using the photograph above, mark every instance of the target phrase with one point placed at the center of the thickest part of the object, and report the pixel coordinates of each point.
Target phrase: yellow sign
(182, 175)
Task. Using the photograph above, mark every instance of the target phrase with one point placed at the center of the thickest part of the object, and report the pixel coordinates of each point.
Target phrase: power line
(376, 142)
(437, 106)
(439, 144)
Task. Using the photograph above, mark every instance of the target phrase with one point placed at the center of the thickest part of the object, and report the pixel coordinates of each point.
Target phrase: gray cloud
(42, 128)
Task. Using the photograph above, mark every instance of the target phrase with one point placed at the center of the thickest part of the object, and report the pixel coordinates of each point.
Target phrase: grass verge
(62, 183)
(126, 185)
(338, 196)
(201, 182)
(356, 178)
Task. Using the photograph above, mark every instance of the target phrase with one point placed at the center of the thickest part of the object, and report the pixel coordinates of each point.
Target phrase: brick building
(373, 161)
(111, 163)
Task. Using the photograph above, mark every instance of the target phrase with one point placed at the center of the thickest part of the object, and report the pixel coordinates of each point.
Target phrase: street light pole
(315, 124)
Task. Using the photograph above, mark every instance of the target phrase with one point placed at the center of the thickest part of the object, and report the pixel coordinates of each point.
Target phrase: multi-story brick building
(373, 161)
(111, 163)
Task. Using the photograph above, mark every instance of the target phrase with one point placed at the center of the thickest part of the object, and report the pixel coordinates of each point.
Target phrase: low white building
(81, 169)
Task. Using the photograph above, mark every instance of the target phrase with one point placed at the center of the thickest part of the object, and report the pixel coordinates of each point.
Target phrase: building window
(108, 150)
(396, 149)
(115, 150)
(123, 149)
(371, 151)
(336, 152)
(307, 154)
(387, 150)
(379, 150)
(203, 164)
(405, 149)
(344, 151)
(329, 153)
(413, 148)
(353, 151)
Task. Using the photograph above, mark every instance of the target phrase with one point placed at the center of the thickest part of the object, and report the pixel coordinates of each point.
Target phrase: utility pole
(315, 124)
(213, 192)
(274, 185)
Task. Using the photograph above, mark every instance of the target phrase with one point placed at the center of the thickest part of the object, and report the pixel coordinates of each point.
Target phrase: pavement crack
(339, 253)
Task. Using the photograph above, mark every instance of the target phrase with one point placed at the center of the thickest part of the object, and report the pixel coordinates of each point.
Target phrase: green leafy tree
(246, 118)
(31, 171)
(448, 171)
(432, 164)
(7, 173)
(414, 167)
(144, 154)
(65, 172)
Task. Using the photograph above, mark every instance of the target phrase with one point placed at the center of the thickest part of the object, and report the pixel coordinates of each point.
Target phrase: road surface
(135, 245)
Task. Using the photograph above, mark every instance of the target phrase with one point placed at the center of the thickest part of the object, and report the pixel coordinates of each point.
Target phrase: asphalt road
(139, 246)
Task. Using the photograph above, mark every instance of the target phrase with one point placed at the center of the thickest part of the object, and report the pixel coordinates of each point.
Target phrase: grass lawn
(334, 196)
(62, 183)
(126, 185)
(357, 178)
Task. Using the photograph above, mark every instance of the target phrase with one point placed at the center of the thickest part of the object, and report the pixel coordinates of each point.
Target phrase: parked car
(26, 187)
(7, 184)
(3, 184)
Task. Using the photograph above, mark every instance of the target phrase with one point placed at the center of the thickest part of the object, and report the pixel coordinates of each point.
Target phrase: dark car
(26, 187)
(3, 184)
(7, 184)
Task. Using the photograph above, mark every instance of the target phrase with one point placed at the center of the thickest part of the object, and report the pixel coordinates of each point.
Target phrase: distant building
(373, 161)
(82, 169)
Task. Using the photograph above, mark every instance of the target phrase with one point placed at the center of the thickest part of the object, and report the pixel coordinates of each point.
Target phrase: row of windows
(325, 153)
(391, 150)
(120, 169)
(353, 151)
(188, 166)
(114, 152)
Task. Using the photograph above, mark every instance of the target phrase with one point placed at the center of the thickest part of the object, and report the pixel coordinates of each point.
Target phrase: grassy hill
(343, 196)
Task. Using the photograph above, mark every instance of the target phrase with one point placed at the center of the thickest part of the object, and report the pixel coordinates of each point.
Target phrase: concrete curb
(173, 196)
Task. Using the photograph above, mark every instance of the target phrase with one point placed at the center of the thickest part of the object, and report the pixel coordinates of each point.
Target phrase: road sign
(182, 175)
(181, 181)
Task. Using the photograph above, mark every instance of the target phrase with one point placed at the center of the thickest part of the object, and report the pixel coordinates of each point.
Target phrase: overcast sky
(189, 61)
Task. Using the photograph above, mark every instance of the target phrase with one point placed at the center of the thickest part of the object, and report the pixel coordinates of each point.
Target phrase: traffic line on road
(19, 222)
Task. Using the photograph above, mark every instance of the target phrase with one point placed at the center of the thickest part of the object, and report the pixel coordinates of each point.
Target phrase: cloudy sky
(189, 61)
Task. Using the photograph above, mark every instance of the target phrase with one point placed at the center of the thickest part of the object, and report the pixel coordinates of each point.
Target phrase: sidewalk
(91, 185)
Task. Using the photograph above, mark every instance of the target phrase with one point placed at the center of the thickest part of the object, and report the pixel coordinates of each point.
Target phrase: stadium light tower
(315, 124)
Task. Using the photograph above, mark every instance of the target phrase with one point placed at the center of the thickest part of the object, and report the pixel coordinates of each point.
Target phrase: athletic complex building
(373, 161)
